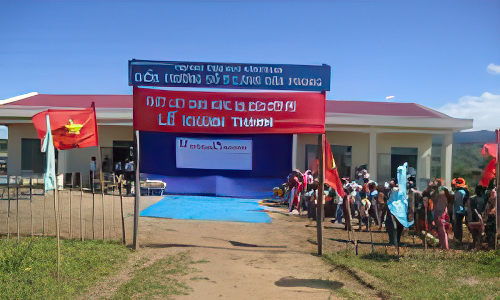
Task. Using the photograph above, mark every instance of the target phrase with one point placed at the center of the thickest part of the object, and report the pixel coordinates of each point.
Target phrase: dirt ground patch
(243, 260)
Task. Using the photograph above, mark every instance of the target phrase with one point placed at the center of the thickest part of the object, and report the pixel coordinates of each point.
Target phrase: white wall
(74, 160)
(357, 140)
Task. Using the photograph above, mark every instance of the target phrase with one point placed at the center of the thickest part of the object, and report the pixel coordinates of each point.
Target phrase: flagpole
(50, 183)
(497, 202)
(137, 191)
(101, 180)
(321, 187)
(81, 207)
(56, 204)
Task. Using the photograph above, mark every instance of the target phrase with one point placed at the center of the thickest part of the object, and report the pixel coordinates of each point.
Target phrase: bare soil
(243, 260)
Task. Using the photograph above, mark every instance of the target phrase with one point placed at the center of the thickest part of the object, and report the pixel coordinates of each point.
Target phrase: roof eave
(448, 123)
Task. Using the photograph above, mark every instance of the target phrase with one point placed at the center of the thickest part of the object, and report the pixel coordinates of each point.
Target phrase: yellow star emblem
(73, 128)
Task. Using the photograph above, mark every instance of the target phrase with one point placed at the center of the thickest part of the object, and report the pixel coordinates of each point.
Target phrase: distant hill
(472, 137)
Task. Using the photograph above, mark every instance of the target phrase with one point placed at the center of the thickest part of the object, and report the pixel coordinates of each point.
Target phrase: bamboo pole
(31, 205)
(56, 206)
(123, 217)
(113, 231)
(425, 226)
(70, 232)
(8, 206)
(17, 211)
(137, 192)
(93, 206)
(101, 180)
(81, 208)
(497, 179)
(43, 214)
(351, 228)
(396, 243)
(371, 234)
(103, 215)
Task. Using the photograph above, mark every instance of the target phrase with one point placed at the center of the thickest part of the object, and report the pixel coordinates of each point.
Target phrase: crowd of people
(438, 212)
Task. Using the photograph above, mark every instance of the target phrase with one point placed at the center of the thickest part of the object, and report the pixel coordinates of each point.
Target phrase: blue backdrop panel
(271, 163)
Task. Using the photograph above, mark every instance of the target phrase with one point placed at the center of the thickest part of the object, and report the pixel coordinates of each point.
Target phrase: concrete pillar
(372, 158)
(294, 152)
(446, 154)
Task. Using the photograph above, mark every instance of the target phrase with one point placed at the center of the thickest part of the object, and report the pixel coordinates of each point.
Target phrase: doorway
(400, 155)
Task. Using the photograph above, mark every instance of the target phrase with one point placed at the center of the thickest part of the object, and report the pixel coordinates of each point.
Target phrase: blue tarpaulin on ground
(208, 208)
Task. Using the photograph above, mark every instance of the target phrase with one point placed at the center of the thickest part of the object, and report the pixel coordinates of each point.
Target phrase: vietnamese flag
(70, 128)
(332, 177)
(489, 173)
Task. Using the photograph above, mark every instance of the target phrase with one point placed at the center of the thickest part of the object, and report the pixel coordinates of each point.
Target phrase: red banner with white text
(228, 113)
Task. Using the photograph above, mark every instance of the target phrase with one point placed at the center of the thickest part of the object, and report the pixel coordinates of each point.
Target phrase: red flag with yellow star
(332, 177)
(70, 128)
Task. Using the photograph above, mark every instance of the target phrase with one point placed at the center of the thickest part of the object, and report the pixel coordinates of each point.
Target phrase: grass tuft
(162, 278)
(434, 275)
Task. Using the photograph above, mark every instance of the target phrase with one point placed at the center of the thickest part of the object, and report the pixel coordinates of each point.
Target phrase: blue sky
(443, 54)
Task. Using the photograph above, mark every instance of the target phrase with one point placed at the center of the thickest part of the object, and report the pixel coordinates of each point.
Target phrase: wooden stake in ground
(43, 214)
(101, 180)
(396, 243)
(123, 217)
(8, 207)
(426, 202)
(103, 215)
(17, 211)
(31, 207)
(354, 240)
(56, 205)
(81, 208)
(321, 187)
(56, 208)
(93, 208)
(371, 234)
(70, 232)
(113, 231)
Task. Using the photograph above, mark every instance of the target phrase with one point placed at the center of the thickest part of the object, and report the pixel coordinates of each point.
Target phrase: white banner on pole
(213, 154)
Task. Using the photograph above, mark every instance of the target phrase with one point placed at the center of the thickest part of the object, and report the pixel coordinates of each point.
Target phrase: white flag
(49, 177)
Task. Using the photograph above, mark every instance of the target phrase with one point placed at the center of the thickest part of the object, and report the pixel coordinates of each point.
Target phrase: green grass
(164, 278)
(435, 275)
(28, 269)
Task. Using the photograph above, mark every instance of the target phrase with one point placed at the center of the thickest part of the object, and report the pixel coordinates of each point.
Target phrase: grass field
(434, 275)
(28, 269)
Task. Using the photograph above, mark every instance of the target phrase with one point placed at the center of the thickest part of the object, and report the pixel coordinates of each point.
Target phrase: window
(32, 158)
(341, 154)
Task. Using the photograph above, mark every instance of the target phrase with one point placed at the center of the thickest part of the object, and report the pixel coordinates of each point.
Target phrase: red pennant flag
(489, 149)
(332, 177)
(70, 128)
(489, 173)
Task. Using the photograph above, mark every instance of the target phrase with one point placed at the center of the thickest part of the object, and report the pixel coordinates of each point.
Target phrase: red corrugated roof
(78, 101)
(332, 106)
(381, 109)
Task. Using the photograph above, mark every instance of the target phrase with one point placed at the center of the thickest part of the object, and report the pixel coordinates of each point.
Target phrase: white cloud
(484, 110)
(493, 69)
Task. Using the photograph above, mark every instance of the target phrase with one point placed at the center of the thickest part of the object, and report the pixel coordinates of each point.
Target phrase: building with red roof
(380, 135)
